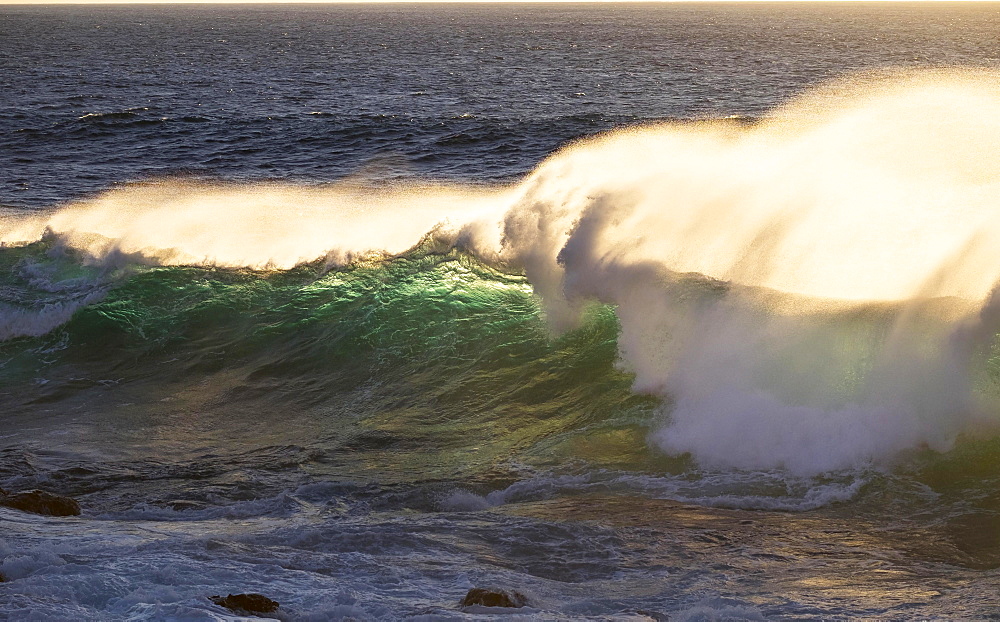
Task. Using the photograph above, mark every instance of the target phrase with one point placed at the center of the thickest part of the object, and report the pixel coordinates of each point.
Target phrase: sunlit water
(348, 306)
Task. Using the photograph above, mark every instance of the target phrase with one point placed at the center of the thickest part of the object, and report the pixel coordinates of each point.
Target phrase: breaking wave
(810, 292)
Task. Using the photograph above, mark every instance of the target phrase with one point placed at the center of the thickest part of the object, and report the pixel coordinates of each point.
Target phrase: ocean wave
(812, 292)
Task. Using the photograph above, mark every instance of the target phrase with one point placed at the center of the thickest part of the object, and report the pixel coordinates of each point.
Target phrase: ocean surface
(647, 312)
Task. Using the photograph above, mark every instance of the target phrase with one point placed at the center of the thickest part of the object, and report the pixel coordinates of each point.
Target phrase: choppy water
(307, 301)
(95, 96)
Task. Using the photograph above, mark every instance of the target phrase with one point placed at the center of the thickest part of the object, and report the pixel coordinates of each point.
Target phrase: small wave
(129, 113)
(281, 505)
(771, 490)
(16, 323)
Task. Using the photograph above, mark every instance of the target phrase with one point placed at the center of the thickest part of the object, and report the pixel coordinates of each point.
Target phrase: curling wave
(811, 292)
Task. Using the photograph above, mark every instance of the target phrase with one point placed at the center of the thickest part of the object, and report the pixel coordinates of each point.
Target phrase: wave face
(810, 293)
(430, 353)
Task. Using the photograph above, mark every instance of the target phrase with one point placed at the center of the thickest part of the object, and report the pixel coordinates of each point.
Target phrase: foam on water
(736, 490)
(36, 322)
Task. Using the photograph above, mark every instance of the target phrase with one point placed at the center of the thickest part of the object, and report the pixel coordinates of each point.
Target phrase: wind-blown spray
(845, 241)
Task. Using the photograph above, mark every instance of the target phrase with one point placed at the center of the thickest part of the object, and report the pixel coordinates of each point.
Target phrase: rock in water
(41, 502)
(246, 603)
(494, 598)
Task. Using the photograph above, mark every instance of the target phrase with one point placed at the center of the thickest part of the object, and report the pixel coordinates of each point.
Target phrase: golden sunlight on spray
(861, 191)
(877, 188)
(262, 226)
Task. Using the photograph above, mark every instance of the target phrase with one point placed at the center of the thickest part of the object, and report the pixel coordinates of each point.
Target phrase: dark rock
(494, 598)
(41, 502)
(3, 579)
(246, 603)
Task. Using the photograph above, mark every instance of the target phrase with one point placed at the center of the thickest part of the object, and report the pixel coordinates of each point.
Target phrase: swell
(812, 292)
(463, 148)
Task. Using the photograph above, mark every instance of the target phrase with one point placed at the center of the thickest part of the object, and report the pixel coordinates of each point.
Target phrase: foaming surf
(813, 292)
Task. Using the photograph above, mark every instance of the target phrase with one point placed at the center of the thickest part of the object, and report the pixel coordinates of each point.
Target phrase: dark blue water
(226, 350)
(95, 96)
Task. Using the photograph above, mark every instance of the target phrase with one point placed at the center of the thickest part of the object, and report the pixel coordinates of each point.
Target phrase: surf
(811, 292)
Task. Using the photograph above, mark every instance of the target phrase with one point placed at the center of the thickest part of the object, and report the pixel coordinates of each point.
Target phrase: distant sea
(643, 311)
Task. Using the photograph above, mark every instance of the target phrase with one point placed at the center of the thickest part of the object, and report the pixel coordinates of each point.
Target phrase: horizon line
(264, 2)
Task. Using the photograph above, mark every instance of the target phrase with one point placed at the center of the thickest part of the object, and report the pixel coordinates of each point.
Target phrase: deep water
(96, 96)
(339, 304)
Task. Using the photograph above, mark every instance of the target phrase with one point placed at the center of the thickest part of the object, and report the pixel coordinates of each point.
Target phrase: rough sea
(643, 311)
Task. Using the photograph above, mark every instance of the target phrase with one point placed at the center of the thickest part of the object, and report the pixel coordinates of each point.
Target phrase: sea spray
(846, 264)
(265, 226)
(802, 293)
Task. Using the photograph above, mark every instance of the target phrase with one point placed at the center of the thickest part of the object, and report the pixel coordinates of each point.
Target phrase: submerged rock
(41, 502)
(246, 603)
(494, 598)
